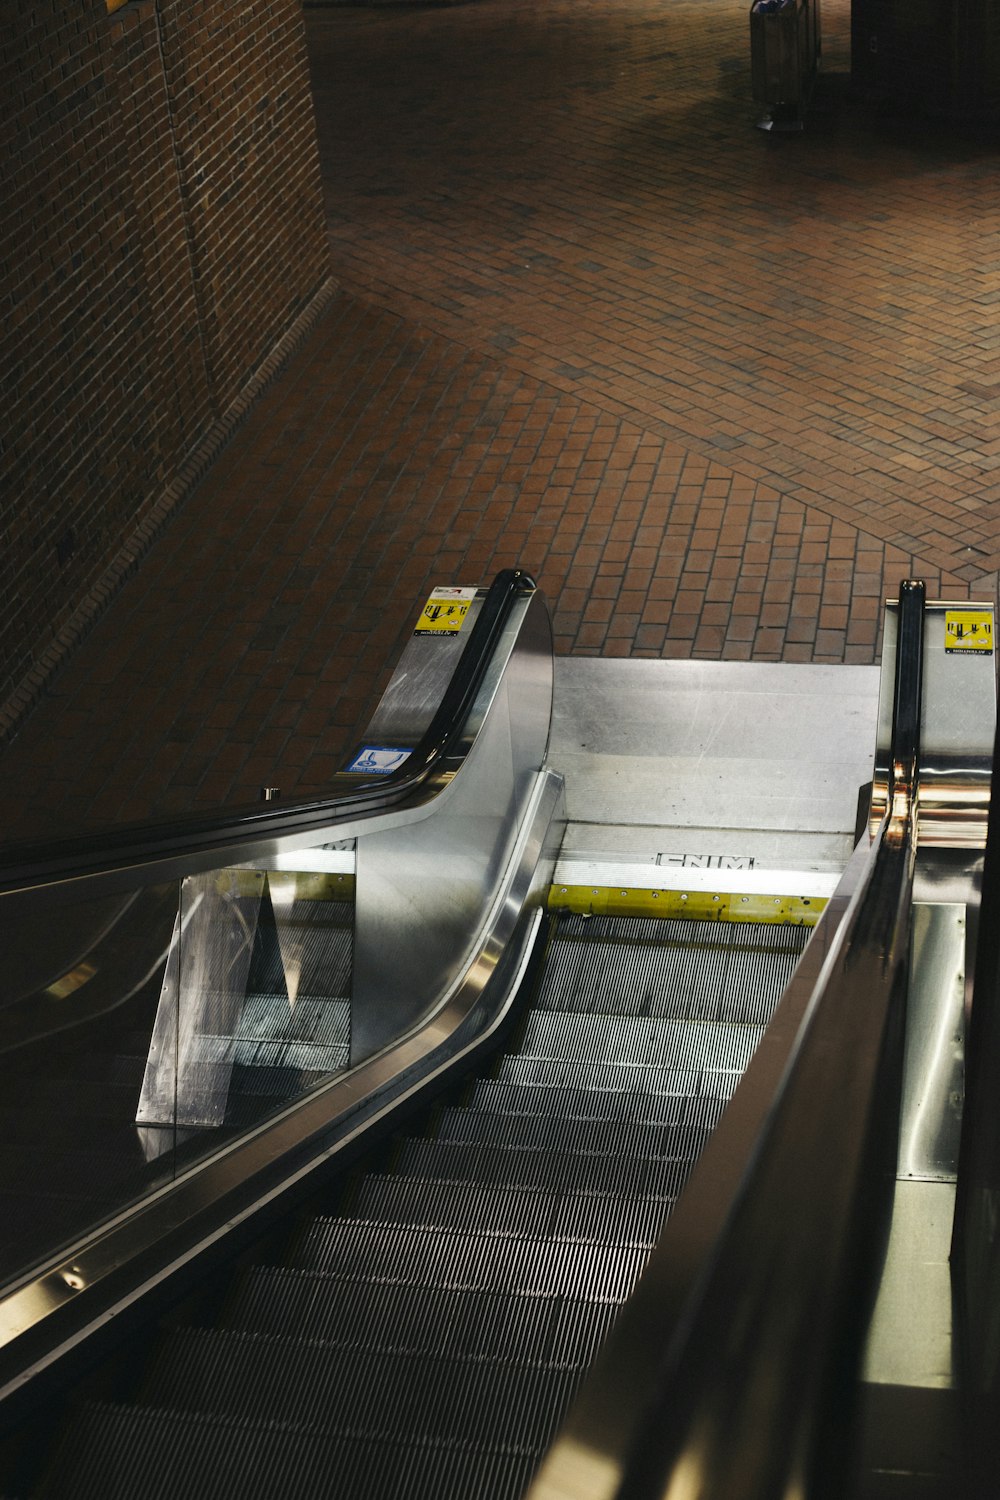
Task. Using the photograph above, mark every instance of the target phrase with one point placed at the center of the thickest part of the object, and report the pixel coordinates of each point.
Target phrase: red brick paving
(718, 391)
(815, 312)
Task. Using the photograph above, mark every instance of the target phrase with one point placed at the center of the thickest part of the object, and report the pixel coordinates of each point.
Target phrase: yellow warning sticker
(444, 611)
(969, 631)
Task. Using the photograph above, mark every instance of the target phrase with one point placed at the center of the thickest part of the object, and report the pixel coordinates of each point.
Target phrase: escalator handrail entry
(39, 862)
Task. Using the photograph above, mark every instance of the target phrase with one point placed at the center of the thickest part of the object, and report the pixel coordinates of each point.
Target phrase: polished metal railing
(731, 1371)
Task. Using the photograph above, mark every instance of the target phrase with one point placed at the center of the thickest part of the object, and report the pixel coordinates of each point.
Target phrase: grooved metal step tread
(266, 1052)
(325, 1021)
(621, 1138)
(158, 1455)
(483, 1208)
(473, 1262)
(457, 1161)
(496, 1097)
(617, 1078)
(350, 1313)
(323, 944)
(307, 1057)
(646, 1040)
(685, 978)
(406, 1397)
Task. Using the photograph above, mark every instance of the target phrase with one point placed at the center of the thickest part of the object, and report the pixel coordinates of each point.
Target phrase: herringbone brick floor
(718, 390)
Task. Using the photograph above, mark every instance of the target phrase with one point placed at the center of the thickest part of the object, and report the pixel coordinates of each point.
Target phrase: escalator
(405, 1129)
(426, 1337)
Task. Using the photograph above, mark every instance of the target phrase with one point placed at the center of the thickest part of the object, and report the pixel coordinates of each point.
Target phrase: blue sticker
(378, 760)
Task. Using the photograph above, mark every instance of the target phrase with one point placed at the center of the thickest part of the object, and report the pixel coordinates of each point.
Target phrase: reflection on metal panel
(258, 977)
(312, 898)
(425, 884)
(191, 1052)
(956, 733)
(931, 1116)
(424, 670)
(910, 1338)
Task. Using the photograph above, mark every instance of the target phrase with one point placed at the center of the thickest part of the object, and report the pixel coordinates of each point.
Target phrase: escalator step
(306, 1057)
(608, 1220)
(620, 1138)
(379, 1316)
(127, 1453)
(476, 1208)
(326, 932)
(693, 975)
(755, 983)
(720, 1083)
(454, 1161)
(598, 1077)
(267, 1052)
(593, 1104)
(310, 1019)
(321, 947)
(447, 1258)
(617, 979)
(651, 1042)
(581, 1331)
(486, 1209)
(358, 1394)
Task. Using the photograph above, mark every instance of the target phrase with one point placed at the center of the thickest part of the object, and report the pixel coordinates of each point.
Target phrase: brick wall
(162, 228)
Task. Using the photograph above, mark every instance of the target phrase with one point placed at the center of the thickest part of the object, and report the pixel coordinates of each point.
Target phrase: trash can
(784, 43)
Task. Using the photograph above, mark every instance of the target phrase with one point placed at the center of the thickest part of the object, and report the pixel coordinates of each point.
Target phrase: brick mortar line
(666, 427)
(22, 700)
(659, 427)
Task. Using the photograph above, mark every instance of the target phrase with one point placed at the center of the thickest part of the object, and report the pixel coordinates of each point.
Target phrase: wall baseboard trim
(15, 710)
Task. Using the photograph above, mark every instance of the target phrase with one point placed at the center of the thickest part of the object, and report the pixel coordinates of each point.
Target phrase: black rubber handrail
(746, 1373)
(33, 863)
(763, 1381)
